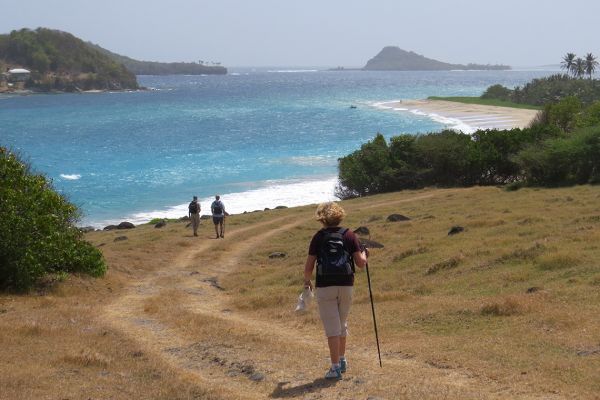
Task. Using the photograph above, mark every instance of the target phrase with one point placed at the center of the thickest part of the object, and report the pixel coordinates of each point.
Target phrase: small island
(393, 58)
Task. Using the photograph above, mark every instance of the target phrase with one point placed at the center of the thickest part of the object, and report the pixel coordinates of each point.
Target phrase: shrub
(37, 232)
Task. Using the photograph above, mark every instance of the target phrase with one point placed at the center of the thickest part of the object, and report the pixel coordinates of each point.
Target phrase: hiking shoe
(222, 236)
(333, 373)
(343, 365)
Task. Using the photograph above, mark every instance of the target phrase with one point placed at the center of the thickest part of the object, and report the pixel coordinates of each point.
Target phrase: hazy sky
(320, 32)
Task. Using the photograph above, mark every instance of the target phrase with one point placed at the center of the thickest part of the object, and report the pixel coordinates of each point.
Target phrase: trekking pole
(373, 311)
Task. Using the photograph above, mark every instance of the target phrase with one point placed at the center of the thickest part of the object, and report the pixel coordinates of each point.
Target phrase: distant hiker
(335, 250)
(218, 214)
(194, 214)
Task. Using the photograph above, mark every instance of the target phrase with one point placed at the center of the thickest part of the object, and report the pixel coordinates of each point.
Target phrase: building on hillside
(18, 75)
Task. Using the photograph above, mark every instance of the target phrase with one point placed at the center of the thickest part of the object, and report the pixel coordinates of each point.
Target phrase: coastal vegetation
(38, 237)
(561, 147)
(59, 61)
(393, 58)
(162, 68)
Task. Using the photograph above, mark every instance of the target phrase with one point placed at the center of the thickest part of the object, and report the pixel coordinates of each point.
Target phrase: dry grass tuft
(87, 358)
(410, 253)
(31, 329)
(446, 264)
(503, 308)
(556, 262)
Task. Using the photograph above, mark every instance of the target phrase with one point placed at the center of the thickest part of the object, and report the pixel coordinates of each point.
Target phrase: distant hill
(60, 61)
(393, 58)
(160, 68)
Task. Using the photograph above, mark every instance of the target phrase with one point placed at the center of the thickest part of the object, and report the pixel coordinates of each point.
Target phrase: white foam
(288, 193)
(70, 177)
(284, 71)
(449, 123)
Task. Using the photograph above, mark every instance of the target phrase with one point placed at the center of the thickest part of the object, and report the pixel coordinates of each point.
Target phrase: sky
(320, 32)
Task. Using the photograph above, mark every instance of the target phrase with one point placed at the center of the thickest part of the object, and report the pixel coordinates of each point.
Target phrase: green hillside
(61, 61)
(160, 68)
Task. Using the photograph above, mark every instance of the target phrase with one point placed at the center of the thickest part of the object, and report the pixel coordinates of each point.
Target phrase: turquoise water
(261, 138)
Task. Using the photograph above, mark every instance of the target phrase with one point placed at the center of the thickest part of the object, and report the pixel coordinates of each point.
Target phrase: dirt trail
(271, 361)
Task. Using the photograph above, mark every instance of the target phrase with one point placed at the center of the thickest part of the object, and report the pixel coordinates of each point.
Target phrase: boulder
(371, 244)
(125, 225)
(277, 254)
(110, 227)
(397, 218)
(362, 230)
(280, 207)
(120, 238)
(267, 208)
(161, 224)
(455, 229)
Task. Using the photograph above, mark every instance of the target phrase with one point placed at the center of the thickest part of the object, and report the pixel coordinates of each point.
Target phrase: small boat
(352, 106)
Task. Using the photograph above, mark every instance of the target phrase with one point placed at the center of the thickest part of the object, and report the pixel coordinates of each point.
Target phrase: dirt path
(257, 359)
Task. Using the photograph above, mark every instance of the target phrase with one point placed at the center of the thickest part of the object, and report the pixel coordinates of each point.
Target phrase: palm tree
(590, 64)
(568, 62)
(579, 67)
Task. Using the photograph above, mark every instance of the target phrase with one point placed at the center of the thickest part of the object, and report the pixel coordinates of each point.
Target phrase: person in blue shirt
(218, 215)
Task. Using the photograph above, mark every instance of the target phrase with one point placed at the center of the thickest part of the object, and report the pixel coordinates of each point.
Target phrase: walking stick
(373, 311)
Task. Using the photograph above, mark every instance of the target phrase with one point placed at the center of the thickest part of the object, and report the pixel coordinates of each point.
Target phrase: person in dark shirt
(334, 290)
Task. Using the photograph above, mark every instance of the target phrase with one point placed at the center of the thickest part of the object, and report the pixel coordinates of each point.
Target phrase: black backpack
(217, 208)
(193, 207)
(333, 259)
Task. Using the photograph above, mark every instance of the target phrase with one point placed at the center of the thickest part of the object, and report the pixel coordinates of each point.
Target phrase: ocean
(258, 137)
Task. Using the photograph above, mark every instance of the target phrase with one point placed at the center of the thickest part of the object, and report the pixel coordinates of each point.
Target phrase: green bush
(37, 231)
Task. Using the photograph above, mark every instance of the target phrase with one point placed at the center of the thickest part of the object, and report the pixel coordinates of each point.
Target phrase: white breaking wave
(70, 177)
(273, 194)
(293, 70)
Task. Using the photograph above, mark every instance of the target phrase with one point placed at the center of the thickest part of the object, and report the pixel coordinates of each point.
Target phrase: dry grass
(502, 310)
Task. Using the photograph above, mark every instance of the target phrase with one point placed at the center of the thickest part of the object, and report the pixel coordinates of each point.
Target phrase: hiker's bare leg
(334, 348)
(221, 225)
(342, 346)
(217, 230)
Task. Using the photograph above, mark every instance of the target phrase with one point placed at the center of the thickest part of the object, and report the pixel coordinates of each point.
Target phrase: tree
(590, 64)
(568, 62)
(579, 67)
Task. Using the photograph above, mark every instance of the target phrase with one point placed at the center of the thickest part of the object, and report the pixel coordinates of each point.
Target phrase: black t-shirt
(351, 244)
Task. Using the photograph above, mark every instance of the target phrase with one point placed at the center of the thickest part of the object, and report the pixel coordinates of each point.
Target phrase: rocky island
(393, 58)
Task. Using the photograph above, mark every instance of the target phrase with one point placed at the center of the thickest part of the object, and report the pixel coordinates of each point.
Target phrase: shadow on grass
(299, 391)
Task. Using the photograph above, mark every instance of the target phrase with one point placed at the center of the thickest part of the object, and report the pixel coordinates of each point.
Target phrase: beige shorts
(334, 306)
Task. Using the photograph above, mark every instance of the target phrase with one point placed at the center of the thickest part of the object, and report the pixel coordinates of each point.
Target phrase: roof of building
(18, 71)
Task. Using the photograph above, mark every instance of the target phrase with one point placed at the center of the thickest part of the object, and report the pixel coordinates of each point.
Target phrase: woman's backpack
(332, 258)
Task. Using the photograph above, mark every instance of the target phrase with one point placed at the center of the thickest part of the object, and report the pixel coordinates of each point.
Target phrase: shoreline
(467, 118)
(288, 193)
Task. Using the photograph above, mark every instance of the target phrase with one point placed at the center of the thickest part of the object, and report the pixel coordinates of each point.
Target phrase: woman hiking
(335, 251)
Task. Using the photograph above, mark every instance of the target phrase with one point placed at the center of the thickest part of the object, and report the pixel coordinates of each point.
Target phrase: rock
(371, 244)
(281, 207)
(125, 225)
(257, 377)
(533, 289)
(161, 224)
(110, 228)
(455, 229)
(120, 238)
(397, 218)
(362, 230)
(86, 229)
(267, 208)
(278, 254)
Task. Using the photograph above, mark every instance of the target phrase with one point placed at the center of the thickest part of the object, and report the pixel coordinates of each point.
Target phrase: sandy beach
(466, 117)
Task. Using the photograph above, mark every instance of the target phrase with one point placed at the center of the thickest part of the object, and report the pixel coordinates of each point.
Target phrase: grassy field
(508, 308)
(486, 102)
